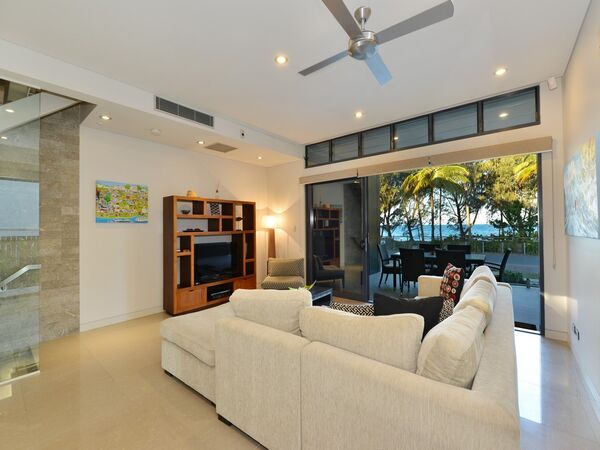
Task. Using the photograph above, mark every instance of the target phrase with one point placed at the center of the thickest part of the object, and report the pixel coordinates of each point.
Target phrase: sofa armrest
(429, 286)
(352, 402)
(257, 375)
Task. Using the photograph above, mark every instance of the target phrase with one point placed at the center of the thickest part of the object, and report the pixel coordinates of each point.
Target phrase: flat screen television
(215, 261)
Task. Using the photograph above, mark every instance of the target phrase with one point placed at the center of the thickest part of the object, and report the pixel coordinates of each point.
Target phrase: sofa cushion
(429, 308)
(482, 295)
(275, 309)
(282, 282)
(393, 340)
(284, 267)
(480, 273)
(360, 309)
(195, 332)
(451, 351)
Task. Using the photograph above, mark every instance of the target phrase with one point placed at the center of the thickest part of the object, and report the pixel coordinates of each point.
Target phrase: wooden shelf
(327, 223)
(181, 294)
(202, 216)
(208, 233)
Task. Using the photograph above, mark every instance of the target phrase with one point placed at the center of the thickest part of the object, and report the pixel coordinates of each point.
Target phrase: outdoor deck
(526, 301)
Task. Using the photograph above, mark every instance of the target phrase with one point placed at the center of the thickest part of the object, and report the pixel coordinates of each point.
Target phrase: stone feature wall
(59, 222)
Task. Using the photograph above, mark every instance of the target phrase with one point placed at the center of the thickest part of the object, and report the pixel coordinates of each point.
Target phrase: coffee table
(321, 293)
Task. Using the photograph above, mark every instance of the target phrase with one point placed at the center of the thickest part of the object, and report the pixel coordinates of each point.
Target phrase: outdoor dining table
(472, 259)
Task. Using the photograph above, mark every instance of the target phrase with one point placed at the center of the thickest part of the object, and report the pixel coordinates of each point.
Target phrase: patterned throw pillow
(360, 309)
(452, 283)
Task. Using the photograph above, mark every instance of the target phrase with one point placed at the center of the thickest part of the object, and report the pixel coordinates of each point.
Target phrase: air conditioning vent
(183, 111)
(219, 147)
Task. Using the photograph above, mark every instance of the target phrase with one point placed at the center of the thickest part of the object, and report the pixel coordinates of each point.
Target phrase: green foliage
(505, 187)
(427, 180)
(513, 194)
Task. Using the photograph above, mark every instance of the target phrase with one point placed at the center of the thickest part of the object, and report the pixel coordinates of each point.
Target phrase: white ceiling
(217, 56)
(178, 133)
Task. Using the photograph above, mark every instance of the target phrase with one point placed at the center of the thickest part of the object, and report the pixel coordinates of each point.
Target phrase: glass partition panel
(19, 230)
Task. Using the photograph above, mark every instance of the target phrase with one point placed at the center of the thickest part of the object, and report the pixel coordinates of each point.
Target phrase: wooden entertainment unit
(189, 223)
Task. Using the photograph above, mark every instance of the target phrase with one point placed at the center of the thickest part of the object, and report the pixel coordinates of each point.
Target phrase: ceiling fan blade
(379, 69)
(343, 16)
(436, 14)
(323, 63)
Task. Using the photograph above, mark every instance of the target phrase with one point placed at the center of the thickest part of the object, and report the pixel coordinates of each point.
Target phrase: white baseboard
(557, 335)
(591, 390)
(120, 318)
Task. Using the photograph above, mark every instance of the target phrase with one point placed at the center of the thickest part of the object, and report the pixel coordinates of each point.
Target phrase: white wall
(582, 121)
(557, 323)
(286, 199)
(121, 264)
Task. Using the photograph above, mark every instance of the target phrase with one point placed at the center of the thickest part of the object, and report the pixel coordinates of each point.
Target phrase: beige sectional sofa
(302, 379)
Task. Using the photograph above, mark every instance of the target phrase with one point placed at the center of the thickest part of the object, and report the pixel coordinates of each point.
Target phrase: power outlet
(576, 332)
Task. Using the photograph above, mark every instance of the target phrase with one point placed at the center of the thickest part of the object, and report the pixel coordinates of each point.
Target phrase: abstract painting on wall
(121, 202)
(582, 186)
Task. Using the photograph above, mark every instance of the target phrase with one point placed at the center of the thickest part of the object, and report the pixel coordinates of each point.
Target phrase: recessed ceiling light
(105, 117)
(281, 59)
(3, 138)
(503, 115)
(200, 142)
(156, 131)
(8, 110)
(358, 114)
(260, 157)
(500, 71)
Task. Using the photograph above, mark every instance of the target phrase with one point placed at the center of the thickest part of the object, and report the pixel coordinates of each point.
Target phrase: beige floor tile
(535, 436)
(555, 409)
(105, 389)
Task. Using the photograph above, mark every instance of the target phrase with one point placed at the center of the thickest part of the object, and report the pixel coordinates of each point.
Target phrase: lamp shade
(269, 222)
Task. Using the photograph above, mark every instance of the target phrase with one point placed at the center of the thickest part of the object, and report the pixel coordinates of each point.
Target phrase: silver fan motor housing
(364, 46)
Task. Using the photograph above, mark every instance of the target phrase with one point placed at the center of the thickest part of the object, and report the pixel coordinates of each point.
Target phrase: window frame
(430, 122)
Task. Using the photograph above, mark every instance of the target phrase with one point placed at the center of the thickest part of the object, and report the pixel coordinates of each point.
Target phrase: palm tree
(526, 170)
(430, 178)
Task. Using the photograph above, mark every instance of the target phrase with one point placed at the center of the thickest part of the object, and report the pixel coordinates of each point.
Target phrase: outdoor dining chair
(387, 265)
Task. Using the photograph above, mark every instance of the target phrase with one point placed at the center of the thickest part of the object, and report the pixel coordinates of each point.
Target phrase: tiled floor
(104, 389)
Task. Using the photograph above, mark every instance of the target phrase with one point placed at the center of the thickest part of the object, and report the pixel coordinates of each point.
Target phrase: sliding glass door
(338, 237)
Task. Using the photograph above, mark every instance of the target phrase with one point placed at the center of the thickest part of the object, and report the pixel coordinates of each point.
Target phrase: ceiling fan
(363, 43)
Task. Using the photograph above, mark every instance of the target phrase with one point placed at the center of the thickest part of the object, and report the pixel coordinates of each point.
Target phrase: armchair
(284, 273)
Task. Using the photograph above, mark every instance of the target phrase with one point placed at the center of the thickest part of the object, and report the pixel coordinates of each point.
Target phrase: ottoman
(188, 348)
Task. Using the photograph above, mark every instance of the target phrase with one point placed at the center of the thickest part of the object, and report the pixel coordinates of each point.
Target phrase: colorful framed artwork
(582, 191)
(121, 202)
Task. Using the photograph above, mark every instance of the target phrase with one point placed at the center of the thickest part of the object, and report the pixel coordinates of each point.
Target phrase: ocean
(483, 229)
